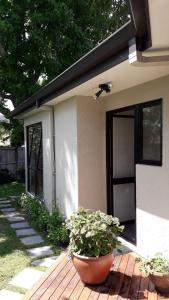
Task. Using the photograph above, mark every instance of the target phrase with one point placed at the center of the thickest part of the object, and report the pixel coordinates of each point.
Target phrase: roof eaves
(105, 51)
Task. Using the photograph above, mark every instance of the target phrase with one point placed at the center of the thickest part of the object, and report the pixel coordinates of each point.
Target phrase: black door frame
(109, 155)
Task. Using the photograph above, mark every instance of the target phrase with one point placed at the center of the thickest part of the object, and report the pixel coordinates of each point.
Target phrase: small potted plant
(93, 236)
(157, 268)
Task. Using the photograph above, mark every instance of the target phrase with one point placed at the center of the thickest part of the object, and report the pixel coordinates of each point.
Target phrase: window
(151, 133)
(35, 159)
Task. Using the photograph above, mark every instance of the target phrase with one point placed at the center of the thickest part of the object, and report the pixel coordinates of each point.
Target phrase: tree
(41, 38)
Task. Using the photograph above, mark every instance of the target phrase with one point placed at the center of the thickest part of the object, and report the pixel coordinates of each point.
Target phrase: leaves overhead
(41, 38)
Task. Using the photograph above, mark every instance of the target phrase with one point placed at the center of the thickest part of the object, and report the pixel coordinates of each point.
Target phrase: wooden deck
(124, 282)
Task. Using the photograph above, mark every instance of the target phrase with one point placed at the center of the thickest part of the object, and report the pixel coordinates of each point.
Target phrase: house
(110, 153)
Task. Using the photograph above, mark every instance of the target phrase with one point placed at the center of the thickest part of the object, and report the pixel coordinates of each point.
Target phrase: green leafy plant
(36, 211)
(52, 225)
(158, 264)
(57, 231)
(93, 233)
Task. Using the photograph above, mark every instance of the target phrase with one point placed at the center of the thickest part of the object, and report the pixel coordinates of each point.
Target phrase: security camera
(104, 87)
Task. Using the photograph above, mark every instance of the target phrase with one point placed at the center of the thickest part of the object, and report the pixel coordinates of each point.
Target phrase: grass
(11, 189)
(13, 256)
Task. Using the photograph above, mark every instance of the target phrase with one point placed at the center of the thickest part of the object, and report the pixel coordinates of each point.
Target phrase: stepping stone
(14, 197)
(5, 202)
(40, 251)
(4, 205)
(20, 225)
(14, 217)
(32, 240)
(26, 278)
(45, 262)
(9, 295)
(10, 209)
(28, 231)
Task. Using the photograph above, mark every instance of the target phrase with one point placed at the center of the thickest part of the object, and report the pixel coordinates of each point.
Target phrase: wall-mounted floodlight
(104, 87)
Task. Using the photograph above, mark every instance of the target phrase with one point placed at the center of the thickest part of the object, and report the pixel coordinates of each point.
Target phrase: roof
(107, 54)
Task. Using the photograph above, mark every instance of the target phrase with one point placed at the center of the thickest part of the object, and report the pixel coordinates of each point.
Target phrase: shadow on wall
(66, 178)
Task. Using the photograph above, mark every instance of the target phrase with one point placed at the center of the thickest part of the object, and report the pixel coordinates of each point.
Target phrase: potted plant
(157, 268)
(93, 236)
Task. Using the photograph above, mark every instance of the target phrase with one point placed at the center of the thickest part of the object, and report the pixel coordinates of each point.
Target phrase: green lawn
(11, 189)
(13, 257)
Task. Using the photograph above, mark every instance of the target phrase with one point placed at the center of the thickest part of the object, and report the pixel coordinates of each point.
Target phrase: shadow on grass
(11, 189)
(13, 256)
(9, 242)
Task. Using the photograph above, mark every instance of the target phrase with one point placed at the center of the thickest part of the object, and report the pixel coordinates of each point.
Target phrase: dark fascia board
(109, 48)
(107, 54)
(139, 11)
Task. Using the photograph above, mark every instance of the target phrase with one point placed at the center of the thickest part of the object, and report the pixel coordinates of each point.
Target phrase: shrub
(36, 211)
(5, 177)
(158, 264)
(57, 231)
(93, 233)
(53, 225)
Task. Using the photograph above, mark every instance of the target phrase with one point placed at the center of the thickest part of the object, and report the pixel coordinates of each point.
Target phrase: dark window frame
(109, 148)
(139, 147)
(35, 169)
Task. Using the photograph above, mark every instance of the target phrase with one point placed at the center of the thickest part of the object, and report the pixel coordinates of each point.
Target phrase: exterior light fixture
(104, 87)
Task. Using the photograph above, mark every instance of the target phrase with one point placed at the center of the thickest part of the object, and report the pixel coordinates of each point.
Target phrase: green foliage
(52, 225)
(158, 264)
(11, 189)
(57, 232)
(39, 39)
(93, 233)
(36, 211)
(5, 177)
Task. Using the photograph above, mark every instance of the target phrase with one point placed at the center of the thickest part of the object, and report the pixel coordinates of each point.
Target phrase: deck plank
(119, 277)
(56, 282)
(70, 288)
(77, 291)
(135, 283)
(152, 295)
(143, 290)
(124, 291)
(37, 290)
(62, 282)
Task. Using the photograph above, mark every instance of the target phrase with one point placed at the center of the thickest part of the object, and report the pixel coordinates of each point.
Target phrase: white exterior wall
(66, 156)
(47, 124)
(152, 182)
(80, 134)
(91, 152)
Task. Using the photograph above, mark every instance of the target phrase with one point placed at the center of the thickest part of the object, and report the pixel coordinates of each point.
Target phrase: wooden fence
(13, 159)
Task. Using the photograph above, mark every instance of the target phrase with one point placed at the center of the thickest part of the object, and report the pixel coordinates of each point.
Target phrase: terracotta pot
(161, 281)
(93, 270)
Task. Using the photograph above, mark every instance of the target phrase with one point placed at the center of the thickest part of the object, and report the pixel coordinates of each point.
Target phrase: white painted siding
(46, 118)
(152, 182)
(66, 156)
(91, 153)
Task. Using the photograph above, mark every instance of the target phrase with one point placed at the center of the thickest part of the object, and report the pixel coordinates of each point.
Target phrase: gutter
(107, 54)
